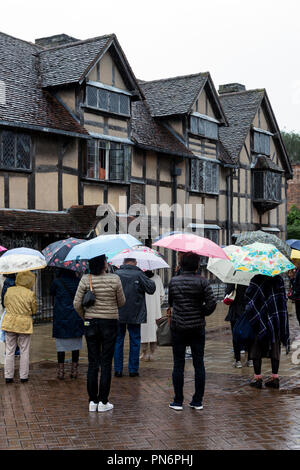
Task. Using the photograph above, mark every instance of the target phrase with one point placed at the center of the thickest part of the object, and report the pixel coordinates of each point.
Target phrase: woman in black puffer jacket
(191, 299)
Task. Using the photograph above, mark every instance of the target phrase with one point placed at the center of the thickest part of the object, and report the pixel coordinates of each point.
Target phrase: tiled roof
(172, 96)
(150, 133)
(68, 63)
(26, 103)
(240, 109)
(77, 220)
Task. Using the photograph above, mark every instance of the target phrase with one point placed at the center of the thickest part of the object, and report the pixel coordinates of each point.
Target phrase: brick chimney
(231, 88)
(56, 40)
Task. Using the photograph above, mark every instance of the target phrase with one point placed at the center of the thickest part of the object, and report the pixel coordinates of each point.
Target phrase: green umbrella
(246, 238)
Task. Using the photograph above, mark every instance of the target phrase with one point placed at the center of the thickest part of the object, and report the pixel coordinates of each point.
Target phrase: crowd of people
(130, 299)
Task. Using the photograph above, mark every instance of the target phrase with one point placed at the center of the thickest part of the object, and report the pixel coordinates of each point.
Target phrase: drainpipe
(174, 173)
(229, 208)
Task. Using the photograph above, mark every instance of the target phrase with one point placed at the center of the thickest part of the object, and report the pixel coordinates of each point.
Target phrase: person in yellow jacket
(20, 304)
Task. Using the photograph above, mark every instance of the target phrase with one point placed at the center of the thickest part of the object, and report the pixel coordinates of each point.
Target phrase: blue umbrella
(102, 245)
(293, 243)
(24, 251)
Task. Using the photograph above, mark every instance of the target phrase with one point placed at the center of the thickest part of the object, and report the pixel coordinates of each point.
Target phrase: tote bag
(243, 333)
(164, 335)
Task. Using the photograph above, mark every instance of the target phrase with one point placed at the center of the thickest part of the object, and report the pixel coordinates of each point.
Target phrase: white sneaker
(242, 351)
(108, 406)
(93, 406)
(249, 363)
(237, 364)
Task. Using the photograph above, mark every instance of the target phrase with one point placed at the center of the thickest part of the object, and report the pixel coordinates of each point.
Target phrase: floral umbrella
(225, 271)
(260, 258)
(56, 252)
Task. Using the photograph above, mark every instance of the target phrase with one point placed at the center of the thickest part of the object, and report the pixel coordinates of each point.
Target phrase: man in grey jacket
(135, 284)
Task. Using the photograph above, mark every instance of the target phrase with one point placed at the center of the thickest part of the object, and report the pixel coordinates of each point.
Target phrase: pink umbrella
(190, 242)
(2, 248)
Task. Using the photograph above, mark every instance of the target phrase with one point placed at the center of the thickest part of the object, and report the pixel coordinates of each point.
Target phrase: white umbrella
(225, 271)
(15, 263)
(147, 259)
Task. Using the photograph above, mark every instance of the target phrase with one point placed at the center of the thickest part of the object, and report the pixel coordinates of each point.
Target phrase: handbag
(243, 333)
(229, 298)
(164, 335)
(89, 297)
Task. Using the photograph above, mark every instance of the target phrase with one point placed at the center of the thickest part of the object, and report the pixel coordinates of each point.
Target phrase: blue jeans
(134, 348)
(196, 340)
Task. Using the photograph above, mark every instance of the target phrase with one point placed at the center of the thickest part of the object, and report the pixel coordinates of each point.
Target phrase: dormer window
(261, 142)
(106, 99)
(204, 126)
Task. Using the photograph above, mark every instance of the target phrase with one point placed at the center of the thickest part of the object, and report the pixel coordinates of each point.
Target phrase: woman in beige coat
(100, 328)
(20, 304)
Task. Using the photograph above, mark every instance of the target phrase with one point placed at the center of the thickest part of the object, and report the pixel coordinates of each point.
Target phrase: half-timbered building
(78, 130)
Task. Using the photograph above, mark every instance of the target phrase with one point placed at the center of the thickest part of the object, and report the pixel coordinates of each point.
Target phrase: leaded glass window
(204, 127)
(107, 100)
(15, 150)
(261, 143)
(204, 176)
(267, 186)
(108, 160)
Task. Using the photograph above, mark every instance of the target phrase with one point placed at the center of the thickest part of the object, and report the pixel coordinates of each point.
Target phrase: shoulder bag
(89, 297)
(164, 335)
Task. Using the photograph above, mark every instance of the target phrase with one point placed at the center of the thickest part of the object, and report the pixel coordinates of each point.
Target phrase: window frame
(205, 122)
(110, 93)
(264, 185)
(109, 147)
(206, 163)
(17, 140)
(260, 148)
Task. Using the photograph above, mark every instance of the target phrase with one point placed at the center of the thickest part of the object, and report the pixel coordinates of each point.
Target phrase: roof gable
(26, 104)
(173, 96)
(72, 62)
(240, 109)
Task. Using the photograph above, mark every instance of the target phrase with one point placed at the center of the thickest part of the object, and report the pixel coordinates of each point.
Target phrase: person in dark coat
(191, 299)
(10, 281)
(135, 284)
(67, 325)
(267, 313)
(236, 309)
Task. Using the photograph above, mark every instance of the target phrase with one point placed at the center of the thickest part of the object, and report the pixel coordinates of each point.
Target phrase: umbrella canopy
(246, 238)
(166, 234)
(225, 271)
(189, 242)
(295, 255)
(260, 258)
(2, 248)
(147, 259)
(293, 243)
(56, 252)
(102, 245)
(24, 251)
(15, 263)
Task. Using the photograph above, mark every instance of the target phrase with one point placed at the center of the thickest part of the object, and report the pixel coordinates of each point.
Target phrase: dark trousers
(196, 340)
(257, 366)
(100, 337)
(134, 347)
(61, 356)
(236, 346)
(297, 302)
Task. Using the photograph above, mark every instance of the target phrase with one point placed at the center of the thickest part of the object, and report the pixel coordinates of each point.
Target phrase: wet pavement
(47, 413)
